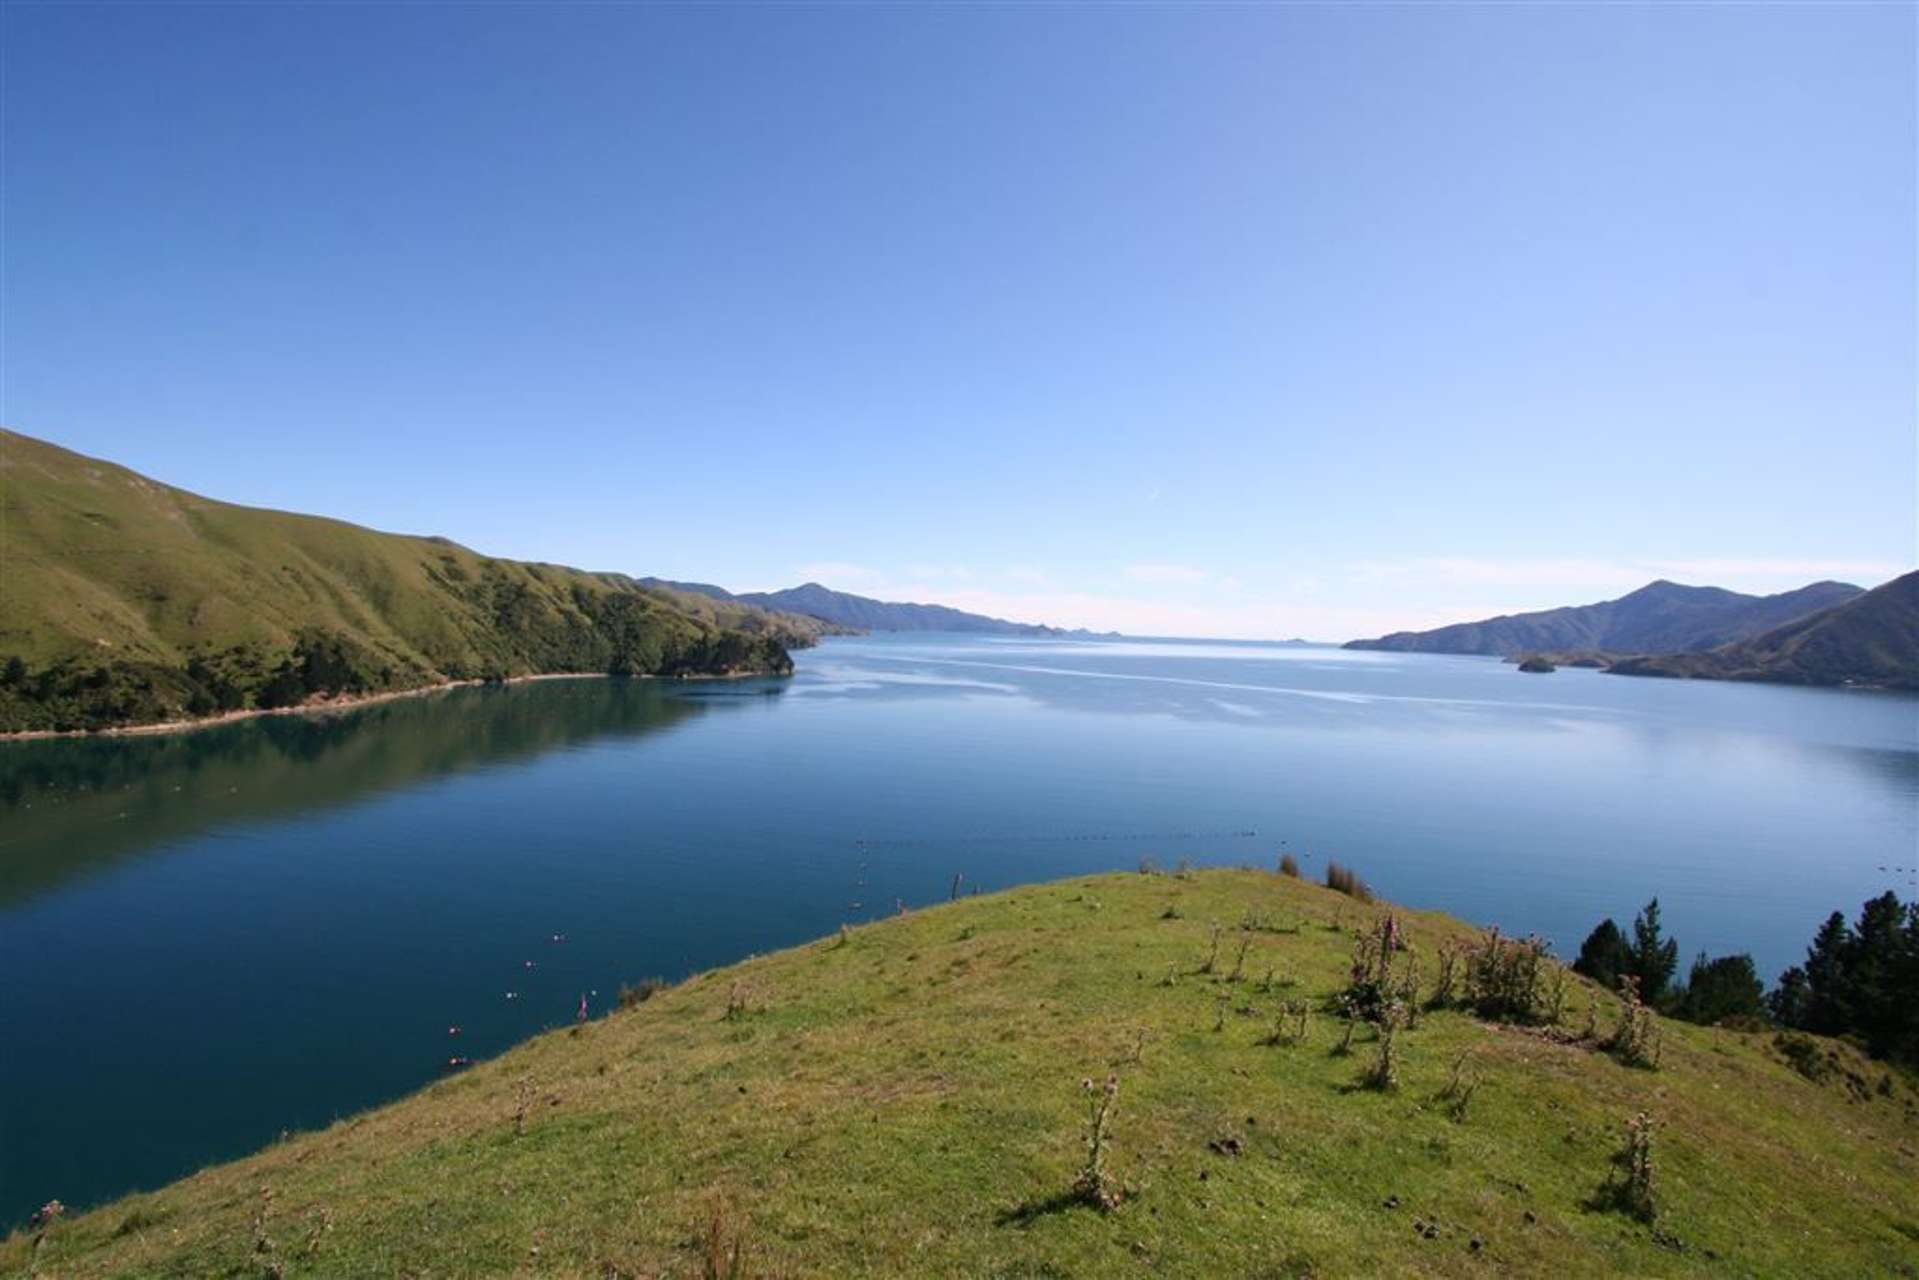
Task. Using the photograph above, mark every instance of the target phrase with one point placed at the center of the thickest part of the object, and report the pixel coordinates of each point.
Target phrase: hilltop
(907, 1098)
(1871, 639)
(124, 600)
(1660, 617)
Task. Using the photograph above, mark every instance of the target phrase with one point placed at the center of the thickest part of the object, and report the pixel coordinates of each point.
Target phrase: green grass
(908, 1101)
(112, 583)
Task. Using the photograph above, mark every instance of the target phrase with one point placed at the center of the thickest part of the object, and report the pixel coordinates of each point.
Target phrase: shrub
(1288, 866)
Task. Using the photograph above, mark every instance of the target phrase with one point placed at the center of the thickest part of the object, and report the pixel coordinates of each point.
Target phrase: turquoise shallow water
(213, 937)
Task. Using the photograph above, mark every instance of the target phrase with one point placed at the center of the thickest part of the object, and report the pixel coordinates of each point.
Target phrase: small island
(1537, 664)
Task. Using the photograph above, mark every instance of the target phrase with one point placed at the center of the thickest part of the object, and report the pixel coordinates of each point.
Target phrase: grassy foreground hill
(907, 1099)
(124, 600)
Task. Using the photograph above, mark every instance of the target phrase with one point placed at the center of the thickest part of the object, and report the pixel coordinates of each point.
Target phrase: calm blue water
(210, 938)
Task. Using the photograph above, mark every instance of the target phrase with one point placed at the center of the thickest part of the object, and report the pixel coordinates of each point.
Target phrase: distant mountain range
(1871, 639)
(1661, 617)
(126, 601)
(1827, 633)
(862, 613)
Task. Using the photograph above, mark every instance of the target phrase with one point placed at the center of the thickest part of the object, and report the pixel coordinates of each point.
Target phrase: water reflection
(72, 806)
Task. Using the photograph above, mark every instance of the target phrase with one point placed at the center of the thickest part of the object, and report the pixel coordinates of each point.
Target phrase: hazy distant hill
(1661, 617)
(862, 613)
(1871, 639)
(124, 600)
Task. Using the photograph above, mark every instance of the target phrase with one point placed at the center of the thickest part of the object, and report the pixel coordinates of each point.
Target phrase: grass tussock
(1343, 879)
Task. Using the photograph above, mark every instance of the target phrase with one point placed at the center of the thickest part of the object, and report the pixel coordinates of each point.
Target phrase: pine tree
(1654, 958)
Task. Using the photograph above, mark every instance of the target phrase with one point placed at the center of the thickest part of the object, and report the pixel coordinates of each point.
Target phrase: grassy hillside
(126, 600)
(1871, 639)
(907, 1099)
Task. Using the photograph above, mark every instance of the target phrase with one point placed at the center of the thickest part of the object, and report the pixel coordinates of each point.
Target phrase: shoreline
(350, 702)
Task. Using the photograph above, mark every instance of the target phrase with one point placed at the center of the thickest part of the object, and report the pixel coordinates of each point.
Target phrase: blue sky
(1230, 320)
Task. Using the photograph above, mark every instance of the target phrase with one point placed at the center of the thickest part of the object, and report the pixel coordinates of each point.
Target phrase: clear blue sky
(1244, 320)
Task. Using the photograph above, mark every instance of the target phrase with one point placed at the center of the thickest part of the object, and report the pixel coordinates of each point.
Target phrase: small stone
(1477, 1244)
(1531, 1217)
(1392, 1202)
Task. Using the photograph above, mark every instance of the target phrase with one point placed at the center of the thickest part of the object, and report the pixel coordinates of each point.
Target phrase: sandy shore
(319, 706)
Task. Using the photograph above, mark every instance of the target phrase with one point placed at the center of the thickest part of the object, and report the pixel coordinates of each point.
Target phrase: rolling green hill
(1871, 639)
(124, 600)
(918, 1097)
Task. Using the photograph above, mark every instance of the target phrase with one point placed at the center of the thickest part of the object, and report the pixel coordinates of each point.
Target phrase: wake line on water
(1322, 694)
(930, 842)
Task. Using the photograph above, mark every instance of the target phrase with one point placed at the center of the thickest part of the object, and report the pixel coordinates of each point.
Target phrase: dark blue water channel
(209, 938)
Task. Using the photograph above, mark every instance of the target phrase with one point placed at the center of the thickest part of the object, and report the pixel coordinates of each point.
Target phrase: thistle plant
(1239, 961)
(1555, 994)
(40, 1224)
(1375, 979)
(1446, 988)
(1290, 1023)
(1460, 1089)
(1384, 1073)
(263, 1247)
(1636, 1041)
(1212, 956)
(1632, 1182)
(1094, 1186)
(522, 1103)
(1502, 977)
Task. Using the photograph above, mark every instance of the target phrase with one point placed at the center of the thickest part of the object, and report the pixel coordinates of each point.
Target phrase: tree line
(1859, 981)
